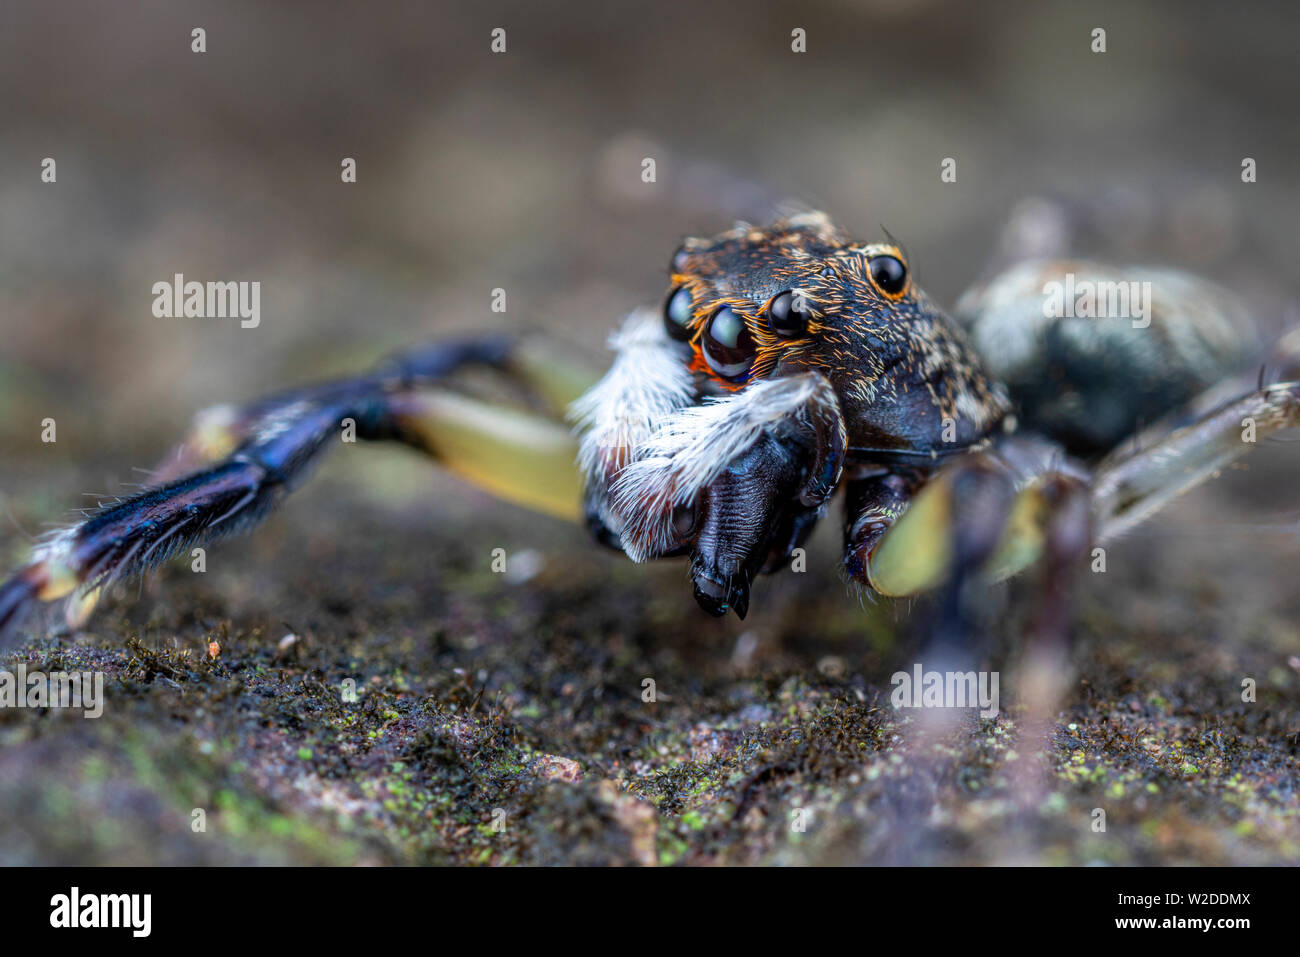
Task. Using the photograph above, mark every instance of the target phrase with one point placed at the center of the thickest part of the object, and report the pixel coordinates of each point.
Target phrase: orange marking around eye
(703, 276)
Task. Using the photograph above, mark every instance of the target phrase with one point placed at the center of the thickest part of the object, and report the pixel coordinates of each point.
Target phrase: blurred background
(522, 171)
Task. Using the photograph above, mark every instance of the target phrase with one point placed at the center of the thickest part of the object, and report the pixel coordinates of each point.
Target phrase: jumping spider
(787, 362)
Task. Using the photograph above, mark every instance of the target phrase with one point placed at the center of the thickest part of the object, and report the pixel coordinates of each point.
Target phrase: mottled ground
(518, 699)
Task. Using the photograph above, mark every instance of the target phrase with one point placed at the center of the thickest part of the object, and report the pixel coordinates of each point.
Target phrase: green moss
(464, 685)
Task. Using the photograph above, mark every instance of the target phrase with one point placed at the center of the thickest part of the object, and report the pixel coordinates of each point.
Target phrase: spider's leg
(1153, 469)
(872, 503)
(981, 518)
(143, 530)
(520, 457)
(553, 380)
(733, 481)
(1194, 442)
(974, 497)
(261, 453)
(1129, 485)
(985, 516)
(1044, 671)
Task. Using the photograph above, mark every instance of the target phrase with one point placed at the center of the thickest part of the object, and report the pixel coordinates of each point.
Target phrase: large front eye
(785, 317)
(728, 348)
(889, 274)
(677, 314)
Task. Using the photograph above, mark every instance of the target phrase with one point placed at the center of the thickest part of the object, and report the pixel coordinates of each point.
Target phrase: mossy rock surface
(381, 696)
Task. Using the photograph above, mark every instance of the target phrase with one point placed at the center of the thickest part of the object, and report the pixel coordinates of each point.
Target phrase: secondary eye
(728, 348)
(889, 274)
(784, 317)
(677, 314)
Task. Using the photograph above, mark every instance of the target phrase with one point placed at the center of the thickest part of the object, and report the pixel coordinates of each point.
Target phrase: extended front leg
(239, 464)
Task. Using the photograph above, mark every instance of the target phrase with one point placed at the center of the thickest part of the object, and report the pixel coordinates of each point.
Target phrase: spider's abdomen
(1091, 353)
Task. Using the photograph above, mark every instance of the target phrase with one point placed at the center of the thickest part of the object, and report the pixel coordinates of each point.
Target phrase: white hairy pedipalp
(647, 382)
(692, 447)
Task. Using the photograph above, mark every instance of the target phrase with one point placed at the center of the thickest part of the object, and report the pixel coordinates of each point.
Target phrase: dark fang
(717, 600)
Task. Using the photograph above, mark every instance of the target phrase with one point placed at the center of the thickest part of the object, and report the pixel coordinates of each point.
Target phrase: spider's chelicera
(786, 363)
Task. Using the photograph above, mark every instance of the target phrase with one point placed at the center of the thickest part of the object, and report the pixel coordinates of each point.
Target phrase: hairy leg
(982, 517)
(872, 503)
(1127, 487)
(237, 466)
(1147, 473)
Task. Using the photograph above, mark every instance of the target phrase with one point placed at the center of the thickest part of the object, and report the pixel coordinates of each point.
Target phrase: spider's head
(799, 295)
